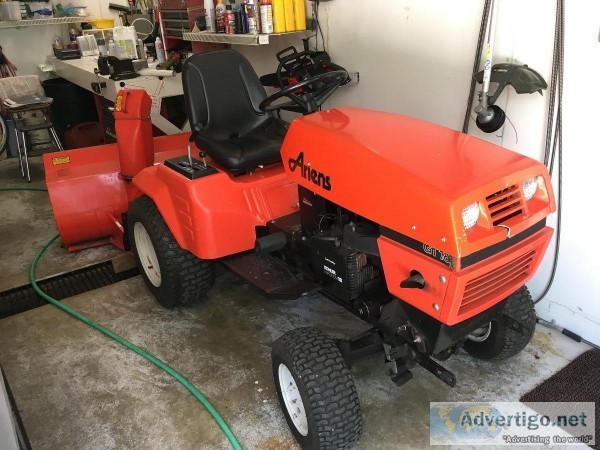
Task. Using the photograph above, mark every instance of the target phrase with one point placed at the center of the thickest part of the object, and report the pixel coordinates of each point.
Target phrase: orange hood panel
(408, 175)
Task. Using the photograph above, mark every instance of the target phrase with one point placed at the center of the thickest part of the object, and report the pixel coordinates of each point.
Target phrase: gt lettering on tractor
(314, 176)
(438, 254)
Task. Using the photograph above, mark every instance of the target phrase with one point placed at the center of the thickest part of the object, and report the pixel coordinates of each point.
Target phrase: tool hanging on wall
(490, 117)
(7, 69)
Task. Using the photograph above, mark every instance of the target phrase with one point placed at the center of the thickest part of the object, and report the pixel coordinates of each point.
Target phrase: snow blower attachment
(427, 234)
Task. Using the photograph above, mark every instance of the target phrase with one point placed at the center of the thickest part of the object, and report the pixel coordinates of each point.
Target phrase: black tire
(326, 389)
(502, 341)
(183, 276)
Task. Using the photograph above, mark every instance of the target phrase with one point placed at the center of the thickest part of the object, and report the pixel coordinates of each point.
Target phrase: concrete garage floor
(77, 389)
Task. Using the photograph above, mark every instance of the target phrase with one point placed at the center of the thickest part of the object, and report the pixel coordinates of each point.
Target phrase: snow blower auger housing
(427, 234)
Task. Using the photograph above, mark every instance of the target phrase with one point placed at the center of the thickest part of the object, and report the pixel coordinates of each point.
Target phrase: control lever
(415, 281)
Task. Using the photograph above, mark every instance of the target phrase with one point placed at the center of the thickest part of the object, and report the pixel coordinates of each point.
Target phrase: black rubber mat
(577, 382)
(24, 298)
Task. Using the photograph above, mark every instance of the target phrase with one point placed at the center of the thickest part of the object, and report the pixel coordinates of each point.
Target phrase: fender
(147, 183)
(216, 216)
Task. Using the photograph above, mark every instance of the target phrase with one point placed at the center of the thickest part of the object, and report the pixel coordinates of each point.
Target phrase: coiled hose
(134, 348)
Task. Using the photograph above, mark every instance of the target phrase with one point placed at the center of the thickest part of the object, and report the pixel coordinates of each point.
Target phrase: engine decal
(307, 172)
(332, 274)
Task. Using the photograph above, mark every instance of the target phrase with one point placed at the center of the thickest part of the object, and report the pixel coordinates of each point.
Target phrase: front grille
(488, 286)
(505, 204)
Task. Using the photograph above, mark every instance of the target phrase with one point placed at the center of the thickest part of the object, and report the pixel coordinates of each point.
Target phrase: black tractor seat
(222, 94)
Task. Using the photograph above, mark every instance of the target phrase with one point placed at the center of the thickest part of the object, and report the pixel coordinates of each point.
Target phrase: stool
(26, 87)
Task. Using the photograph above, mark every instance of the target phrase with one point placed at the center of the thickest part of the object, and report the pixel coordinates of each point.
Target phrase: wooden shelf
(238, 39)
(39, 22)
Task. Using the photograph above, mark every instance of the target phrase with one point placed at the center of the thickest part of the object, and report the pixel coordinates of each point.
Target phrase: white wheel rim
(482, 333)
(146, 253)
(292, 399)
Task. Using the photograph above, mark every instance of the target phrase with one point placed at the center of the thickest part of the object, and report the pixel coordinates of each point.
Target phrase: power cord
(553, 145)
(316, 25)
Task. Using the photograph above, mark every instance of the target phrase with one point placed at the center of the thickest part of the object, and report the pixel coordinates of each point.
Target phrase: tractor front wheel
(172, 274)
(496, 340)
(316, 390)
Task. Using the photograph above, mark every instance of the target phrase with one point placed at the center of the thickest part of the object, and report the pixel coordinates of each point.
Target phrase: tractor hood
(410, 176)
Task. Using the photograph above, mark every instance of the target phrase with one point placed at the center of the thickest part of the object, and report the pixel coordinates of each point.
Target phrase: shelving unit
(39, 22)
(238, 39)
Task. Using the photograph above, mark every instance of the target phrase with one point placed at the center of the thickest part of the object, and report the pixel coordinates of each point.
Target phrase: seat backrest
(222, 94)
(20, 86)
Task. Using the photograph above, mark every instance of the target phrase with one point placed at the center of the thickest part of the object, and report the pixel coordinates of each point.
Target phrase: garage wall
(415, 58)
(28, 47)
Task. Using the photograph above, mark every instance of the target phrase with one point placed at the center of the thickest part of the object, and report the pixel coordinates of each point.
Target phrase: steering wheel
(323, 86)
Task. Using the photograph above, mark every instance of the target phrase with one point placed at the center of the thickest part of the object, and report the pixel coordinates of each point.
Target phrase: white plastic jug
(125, 39)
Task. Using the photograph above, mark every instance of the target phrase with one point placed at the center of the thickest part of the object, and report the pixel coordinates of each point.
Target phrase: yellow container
(290, 23)
(299, 15)
(103, 23)
(278, 16)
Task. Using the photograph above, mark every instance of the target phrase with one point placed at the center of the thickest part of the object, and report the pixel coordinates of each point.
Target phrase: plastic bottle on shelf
(266, 16)
(209, 13)
(220, 15)
(278, 16)
(160, 50)
(290, 21)
(300, 15)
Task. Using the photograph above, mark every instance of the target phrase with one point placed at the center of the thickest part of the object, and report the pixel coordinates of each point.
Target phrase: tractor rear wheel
(496, 340)
(316, 390)
(172, 274)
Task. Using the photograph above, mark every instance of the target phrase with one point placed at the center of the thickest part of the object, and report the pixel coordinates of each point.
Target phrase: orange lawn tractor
(427, 234)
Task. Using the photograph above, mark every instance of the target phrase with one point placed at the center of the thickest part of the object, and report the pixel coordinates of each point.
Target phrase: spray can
(220, 14)
(158, 46)
(209, 13)
(229, 20)
(252, 13)
(239, 27)
(266, 16)
(244, 13)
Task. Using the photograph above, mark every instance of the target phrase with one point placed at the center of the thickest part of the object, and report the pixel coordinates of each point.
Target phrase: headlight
(529, 187)
(470, 215)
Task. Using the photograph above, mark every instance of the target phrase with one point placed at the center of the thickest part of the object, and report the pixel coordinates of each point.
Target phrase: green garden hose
(141, 352)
